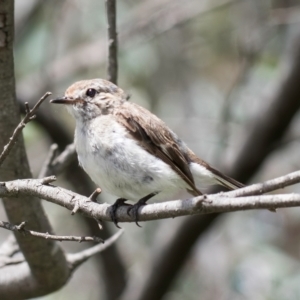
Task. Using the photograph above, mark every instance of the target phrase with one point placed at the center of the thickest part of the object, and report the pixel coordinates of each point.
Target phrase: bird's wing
(155, 137)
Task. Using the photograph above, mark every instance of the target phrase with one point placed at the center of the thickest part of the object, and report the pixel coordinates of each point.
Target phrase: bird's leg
(135, 208)
(113, 209)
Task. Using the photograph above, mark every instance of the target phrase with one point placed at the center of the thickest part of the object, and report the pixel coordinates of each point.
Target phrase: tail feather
(225, 180)
(200, 167)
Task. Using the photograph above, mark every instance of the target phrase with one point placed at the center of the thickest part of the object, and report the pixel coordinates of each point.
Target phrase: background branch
(112, 68)
(21, 229)
(56, 164)
(46, 267)
(16, 271)
(76, 259)
(30, 115)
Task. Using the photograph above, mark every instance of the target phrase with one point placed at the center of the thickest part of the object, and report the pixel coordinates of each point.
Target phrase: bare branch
(54, 165)
(30, 115)
(28, 279)
(95, 194)
(63, 160)
(14, 274)
(112, 68)
(267, 186)
(222, 202)
(48, 162)
(47, 236)
(75, 260)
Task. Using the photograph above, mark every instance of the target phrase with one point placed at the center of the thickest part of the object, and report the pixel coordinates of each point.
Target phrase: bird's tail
(201, 167)
(225, 180)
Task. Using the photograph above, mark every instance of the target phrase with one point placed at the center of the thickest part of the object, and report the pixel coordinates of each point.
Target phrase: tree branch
(21, 228)
(54, 165)
(112, 68)
(52, 153)
(30, 115)
(222, 202)
(15, 271)
(76, 259)
(46, 267)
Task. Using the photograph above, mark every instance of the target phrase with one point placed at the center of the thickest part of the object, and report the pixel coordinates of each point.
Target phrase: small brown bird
(129, 152)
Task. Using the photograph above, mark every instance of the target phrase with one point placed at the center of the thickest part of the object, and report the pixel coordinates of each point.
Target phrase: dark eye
(91, 93)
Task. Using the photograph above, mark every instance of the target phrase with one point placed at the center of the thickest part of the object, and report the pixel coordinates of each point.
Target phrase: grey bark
(46, 269)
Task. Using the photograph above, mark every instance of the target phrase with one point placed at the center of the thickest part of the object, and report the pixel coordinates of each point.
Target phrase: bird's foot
(113, 209)
(134, 209)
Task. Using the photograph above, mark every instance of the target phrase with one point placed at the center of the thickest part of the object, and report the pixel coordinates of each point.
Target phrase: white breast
(117, 164)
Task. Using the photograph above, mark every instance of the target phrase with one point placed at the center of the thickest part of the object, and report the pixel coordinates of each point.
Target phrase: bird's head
(88, 99)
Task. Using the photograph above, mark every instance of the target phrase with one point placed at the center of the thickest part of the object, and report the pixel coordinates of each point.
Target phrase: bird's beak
(63, 100)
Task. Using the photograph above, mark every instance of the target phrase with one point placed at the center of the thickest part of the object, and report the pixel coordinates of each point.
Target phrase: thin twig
(76, 259)
(29, 116)
(46, 168)
(95, 194)
(54, 165)
(47, 236)
(63, 160)
(112, 68)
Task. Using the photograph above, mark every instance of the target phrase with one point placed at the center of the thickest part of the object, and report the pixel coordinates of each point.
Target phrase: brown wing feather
(156, 138)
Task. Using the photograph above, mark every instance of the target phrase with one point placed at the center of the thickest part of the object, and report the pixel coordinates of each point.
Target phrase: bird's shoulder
(146, 126)
(135, 118)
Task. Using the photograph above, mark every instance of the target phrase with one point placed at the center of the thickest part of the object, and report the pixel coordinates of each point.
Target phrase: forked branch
(29, 116)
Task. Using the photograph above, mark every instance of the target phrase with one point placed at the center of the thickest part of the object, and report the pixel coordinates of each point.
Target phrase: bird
(129, 152)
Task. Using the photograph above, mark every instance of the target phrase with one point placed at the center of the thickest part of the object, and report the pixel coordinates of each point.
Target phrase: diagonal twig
(45, 170)
(55, 164)
(29, 116)
(76, 259)
(63, 160)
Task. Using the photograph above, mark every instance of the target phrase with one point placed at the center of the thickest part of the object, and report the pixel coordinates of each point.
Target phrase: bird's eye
(91, 93)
